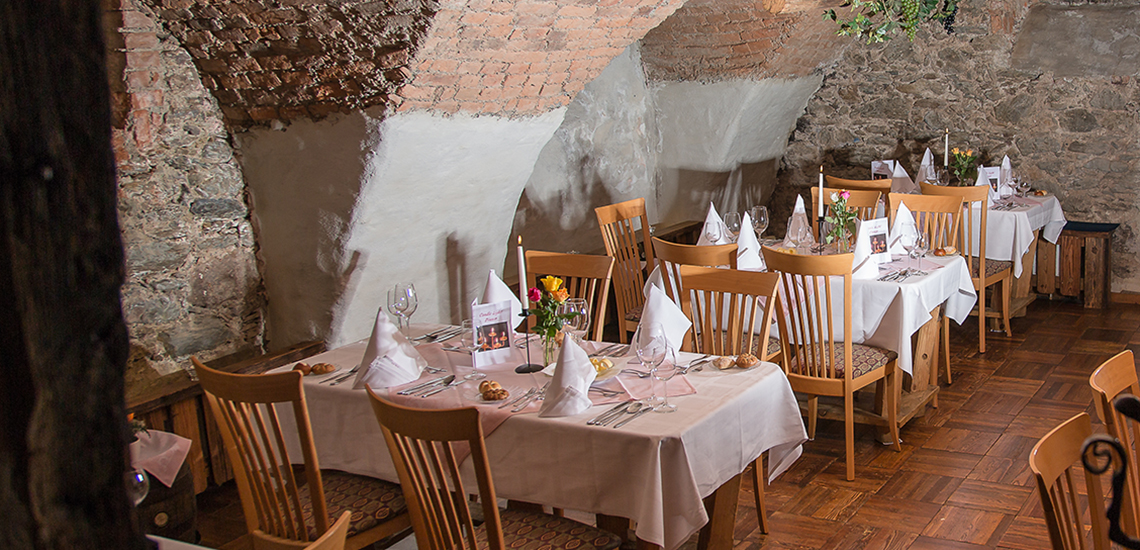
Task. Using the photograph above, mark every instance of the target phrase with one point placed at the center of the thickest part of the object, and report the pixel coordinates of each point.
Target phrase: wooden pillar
(62, 336)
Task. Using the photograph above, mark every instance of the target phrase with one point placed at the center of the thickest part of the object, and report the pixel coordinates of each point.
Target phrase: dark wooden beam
(63, 342)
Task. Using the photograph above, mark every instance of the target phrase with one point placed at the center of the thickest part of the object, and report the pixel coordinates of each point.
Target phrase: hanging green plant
(878, 20)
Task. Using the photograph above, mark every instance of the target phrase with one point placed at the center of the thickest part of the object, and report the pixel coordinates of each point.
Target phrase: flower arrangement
(964, 165)
(548, 320)
(842, 219)
(877, 20)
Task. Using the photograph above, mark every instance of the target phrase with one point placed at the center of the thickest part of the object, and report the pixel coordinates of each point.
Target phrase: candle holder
(818, 248)
(528, 367)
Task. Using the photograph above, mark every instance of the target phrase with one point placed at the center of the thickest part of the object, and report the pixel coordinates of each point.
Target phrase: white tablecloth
(886, 313)
(655, 470)
(1009, 233)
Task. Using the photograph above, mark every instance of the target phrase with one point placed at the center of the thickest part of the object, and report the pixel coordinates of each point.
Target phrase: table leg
(613, 524)
(1021, 295)
(721, 509)
(921, 387)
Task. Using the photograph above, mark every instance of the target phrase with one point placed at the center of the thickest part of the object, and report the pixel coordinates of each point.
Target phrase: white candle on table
(522, 277)
(820, 209)
(946, 150)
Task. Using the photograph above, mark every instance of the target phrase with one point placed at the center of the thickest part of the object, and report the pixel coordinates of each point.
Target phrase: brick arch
(522, 58)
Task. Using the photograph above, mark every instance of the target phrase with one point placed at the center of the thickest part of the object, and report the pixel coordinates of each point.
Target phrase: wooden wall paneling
(185, 422)
(1046, 267)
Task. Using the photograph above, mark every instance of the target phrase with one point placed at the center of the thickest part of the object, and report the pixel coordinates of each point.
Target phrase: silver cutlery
(447, 335)
(634, 411)
(606, 350)
(636, 373)
(342, 377)
(457, 349)
(617, 409)
(444, 382)
(418, 387)
(528, 393)
(606, 393)
(432, 334)
(443, 387)
(534, 396)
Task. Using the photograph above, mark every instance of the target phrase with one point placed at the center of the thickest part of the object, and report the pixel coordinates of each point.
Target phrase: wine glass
(580, 322)
(138, 485)
(712, 232)
(918, 248)
(667, 370)
(651, 345)
(759, 215)
(732, 222)
(1023, 185)
(402, 300)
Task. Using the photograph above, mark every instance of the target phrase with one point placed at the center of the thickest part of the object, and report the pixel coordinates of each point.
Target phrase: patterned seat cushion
(865, 358)
(993, 267)
(634, 314)
(524, 530)
(372, 501)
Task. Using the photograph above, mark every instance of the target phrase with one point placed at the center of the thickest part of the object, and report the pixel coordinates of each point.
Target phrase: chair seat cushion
(538, 531)
(372, 501)
(993, 267)
(634, 314)
(865, 359)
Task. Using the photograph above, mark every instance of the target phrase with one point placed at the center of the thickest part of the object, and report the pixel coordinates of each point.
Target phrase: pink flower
(534, 295)
(845, 194)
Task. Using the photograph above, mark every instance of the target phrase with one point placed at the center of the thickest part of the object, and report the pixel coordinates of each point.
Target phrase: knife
(418, 387)
(620, 407)
(450, 384)
(519, 398)
(635, 415)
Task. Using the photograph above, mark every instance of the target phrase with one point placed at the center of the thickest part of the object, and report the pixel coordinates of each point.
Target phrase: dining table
(672, 474)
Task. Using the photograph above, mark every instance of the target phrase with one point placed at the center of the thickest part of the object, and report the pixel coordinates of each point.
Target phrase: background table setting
(654, 468)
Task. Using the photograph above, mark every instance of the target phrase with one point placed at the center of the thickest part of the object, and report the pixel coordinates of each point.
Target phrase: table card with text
(493, 334)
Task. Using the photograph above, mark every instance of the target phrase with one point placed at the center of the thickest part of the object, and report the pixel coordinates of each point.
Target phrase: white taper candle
(820, 210)
(522, 277)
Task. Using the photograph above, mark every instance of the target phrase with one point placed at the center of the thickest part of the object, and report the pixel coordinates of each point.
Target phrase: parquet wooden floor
(962, 480)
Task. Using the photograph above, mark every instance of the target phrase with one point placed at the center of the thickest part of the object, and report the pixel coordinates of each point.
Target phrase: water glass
(651, 346)
(667, 370)
(759, 215)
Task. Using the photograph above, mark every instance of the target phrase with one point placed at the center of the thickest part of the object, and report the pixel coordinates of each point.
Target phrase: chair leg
(813, 410)
(894, 393)
(759, 482)
(1006, 290)
(981, 319)
(849, 431)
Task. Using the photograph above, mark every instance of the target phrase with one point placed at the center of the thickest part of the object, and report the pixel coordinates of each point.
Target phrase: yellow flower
(561, 294)
(955, 151)
(551, 283)
(970, 153)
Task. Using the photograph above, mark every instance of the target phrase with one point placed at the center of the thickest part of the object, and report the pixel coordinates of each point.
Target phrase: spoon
(633, 408)
(634, 413)
(637, 373)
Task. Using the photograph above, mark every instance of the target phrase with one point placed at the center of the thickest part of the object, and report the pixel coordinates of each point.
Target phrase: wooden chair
(1111, 379)
(940, 219)
(1051, 461)
(863, 201)
(883, 185)
(422, 443)
(333, 539)
(671, 256)
(731, 311)
(620, 237)
(814, 362)
(984, 271)
(285, 511)
(584, 276)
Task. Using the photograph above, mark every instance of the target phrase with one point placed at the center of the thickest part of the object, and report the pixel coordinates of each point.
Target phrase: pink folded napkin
(160, 453)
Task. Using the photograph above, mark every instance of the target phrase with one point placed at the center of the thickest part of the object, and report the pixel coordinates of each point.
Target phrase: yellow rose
(561, 294)
(955, 151)
(970, 153)
(551, 283)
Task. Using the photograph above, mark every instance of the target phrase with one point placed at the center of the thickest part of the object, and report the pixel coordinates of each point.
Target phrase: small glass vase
(549, 350)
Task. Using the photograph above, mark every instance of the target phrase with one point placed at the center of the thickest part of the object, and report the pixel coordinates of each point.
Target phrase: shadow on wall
(457, 285)
(685, 194)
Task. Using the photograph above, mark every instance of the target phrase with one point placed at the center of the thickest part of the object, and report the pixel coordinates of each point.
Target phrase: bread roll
(323, 368)
(304, 368)
(723, 362)
(746, 360)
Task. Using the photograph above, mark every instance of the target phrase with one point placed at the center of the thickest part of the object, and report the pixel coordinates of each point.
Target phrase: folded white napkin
(883, 168)
(901, 182)
(390, 359)
(498, 291)
(799, 221)
(1005, 175)
(904, 231)
(568, 393)
(926, 168)
(714, 231)
(863, 265)
(660, 309)
(748, 247)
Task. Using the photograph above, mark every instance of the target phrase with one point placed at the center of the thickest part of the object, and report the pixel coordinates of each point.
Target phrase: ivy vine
(878, 20)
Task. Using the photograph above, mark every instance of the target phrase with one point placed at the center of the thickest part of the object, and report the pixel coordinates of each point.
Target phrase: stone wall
(1073, 135)
(193, 286)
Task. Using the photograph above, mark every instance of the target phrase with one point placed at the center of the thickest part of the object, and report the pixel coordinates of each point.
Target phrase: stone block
(199, 334)
(218, 208)
(150, 255)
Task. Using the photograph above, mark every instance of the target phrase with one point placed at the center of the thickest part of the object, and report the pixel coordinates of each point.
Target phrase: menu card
(493, 334)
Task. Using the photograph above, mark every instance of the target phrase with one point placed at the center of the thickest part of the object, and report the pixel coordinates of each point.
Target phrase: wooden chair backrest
(972, 196)
(727, 306)
(421, 443)
(882, 185)
(584, 276)
(620, 238)
(1111, 379)
(863, 201)
(244, 407)
(1051, 462)
(333, 539)
(938, 217)
(671, 256)
(805, 311)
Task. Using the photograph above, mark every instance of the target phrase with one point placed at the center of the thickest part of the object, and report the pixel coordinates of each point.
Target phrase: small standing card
(877, 230)
(493, 333)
